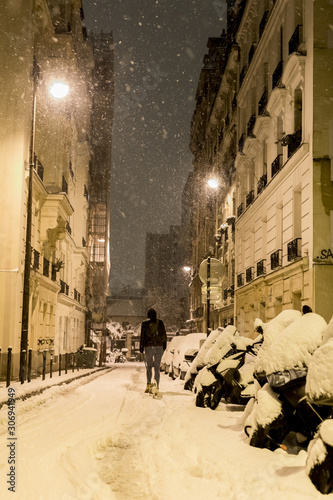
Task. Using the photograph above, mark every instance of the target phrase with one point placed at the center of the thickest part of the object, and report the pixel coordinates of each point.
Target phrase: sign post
(211, 272)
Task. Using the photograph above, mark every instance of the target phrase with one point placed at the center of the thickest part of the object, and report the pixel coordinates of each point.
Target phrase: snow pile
(317, 450)
(272, 329)
(294, 346)
(266, 408)
(221, 346)
(319, 381)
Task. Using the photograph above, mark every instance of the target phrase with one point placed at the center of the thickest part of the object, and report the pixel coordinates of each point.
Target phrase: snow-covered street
(101, 437)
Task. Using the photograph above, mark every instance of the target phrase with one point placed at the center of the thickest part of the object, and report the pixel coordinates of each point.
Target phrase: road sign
(216, 271)
(215, 293)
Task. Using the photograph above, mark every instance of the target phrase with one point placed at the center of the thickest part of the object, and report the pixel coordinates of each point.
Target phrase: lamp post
(58, 90)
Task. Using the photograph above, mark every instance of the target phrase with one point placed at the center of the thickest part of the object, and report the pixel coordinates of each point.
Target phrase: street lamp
(58, 90)
(213, 183)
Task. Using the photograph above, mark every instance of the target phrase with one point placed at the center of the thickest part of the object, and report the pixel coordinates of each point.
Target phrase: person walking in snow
(153, 342)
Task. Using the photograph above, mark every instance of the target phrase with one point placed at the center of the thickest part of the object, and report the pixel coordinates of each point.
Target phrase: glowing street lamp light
(187, 269)
(59, 90)
(213, 183)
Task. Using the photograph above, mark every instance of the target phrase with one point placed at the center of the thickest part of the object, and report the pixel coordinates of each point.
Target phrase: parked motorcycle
(231, 376)
(319, 391)
(281, 405)
(199, 362)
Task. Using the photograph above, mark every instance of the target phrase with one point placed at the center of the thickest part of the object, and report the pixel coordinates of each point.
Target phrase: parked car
(189, 356)
(190, 341)
(166, 361)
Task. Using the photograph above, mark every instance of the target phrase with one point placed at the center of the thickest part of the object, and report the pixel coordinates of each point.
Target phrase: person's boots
(148, 388)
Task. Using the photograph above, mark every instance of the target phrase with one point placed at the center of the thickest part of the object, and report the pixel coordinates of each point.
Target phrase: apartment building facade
(45, 148)
(279, 97)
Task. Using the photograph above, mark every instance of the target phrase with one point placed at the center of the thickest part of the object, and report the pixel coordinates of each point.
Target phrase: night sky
(159, 49)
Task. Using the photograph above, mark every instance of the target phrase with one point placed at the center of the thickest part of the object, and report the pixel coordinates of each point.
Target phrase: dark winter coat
(153, 333)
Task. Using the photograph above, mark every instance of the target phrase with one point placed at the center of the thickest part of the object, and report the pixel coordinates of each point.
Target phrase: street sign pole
(208, 295)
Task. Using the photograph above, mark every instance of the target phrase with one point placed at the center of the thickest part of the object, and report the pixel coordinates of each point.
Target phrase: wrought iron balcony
(263, 22)
(252, 51)
(240, 209)
(261, 269)
(64, 288)
(277, 164)
(262, 183)
(276, 259)
(296, 39)
(294, 142)
(35, 259)
(249, 198)
(64, 186)
(277, 75)
(241, 143)
(249, 274)
(46, 267)
(39, 168)
(250, 126)
(263, 103)
(53, 273)
(240, 279)
(234, 103)
(242, 75)
(294, 249)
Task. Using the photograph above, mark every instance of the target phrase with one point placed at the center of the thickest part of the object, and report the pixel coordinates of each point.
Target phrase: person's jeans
(154, 355)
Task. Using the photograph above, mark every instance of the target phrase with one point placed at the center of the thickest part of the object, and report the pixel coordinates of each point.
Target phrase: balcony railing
(263, 22)
(234, 103)
(241, 143)
(46, 267)
(296, 39)
(240, 209)
(277, 75)
(263, 103)
(249, 198)
(261, 269)
(294, 142)
(252, 51)
(242, 75)
(39, 169)
(262, 183)
(64, 288)
(64, 186)
(250, 126)
(35, 263)
(294, 249)
(53, 273)
(277, 164)
(249, 274)
(240, 279)
(276, 259)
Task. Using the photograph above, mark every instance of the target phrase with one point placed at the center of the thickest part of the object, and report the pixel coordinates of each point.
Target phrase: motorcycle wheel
(199, 400)
(216, 394)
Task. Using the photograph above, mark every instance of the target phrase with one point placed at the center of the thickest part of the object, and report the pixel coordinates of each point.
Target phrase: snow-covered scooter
(319, 390)
(231, 377)
(281, 405)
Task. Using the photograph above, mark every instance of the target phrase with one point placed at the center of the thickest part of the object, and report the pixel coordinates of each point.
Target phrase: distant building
(100, 178)
(166, 282)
